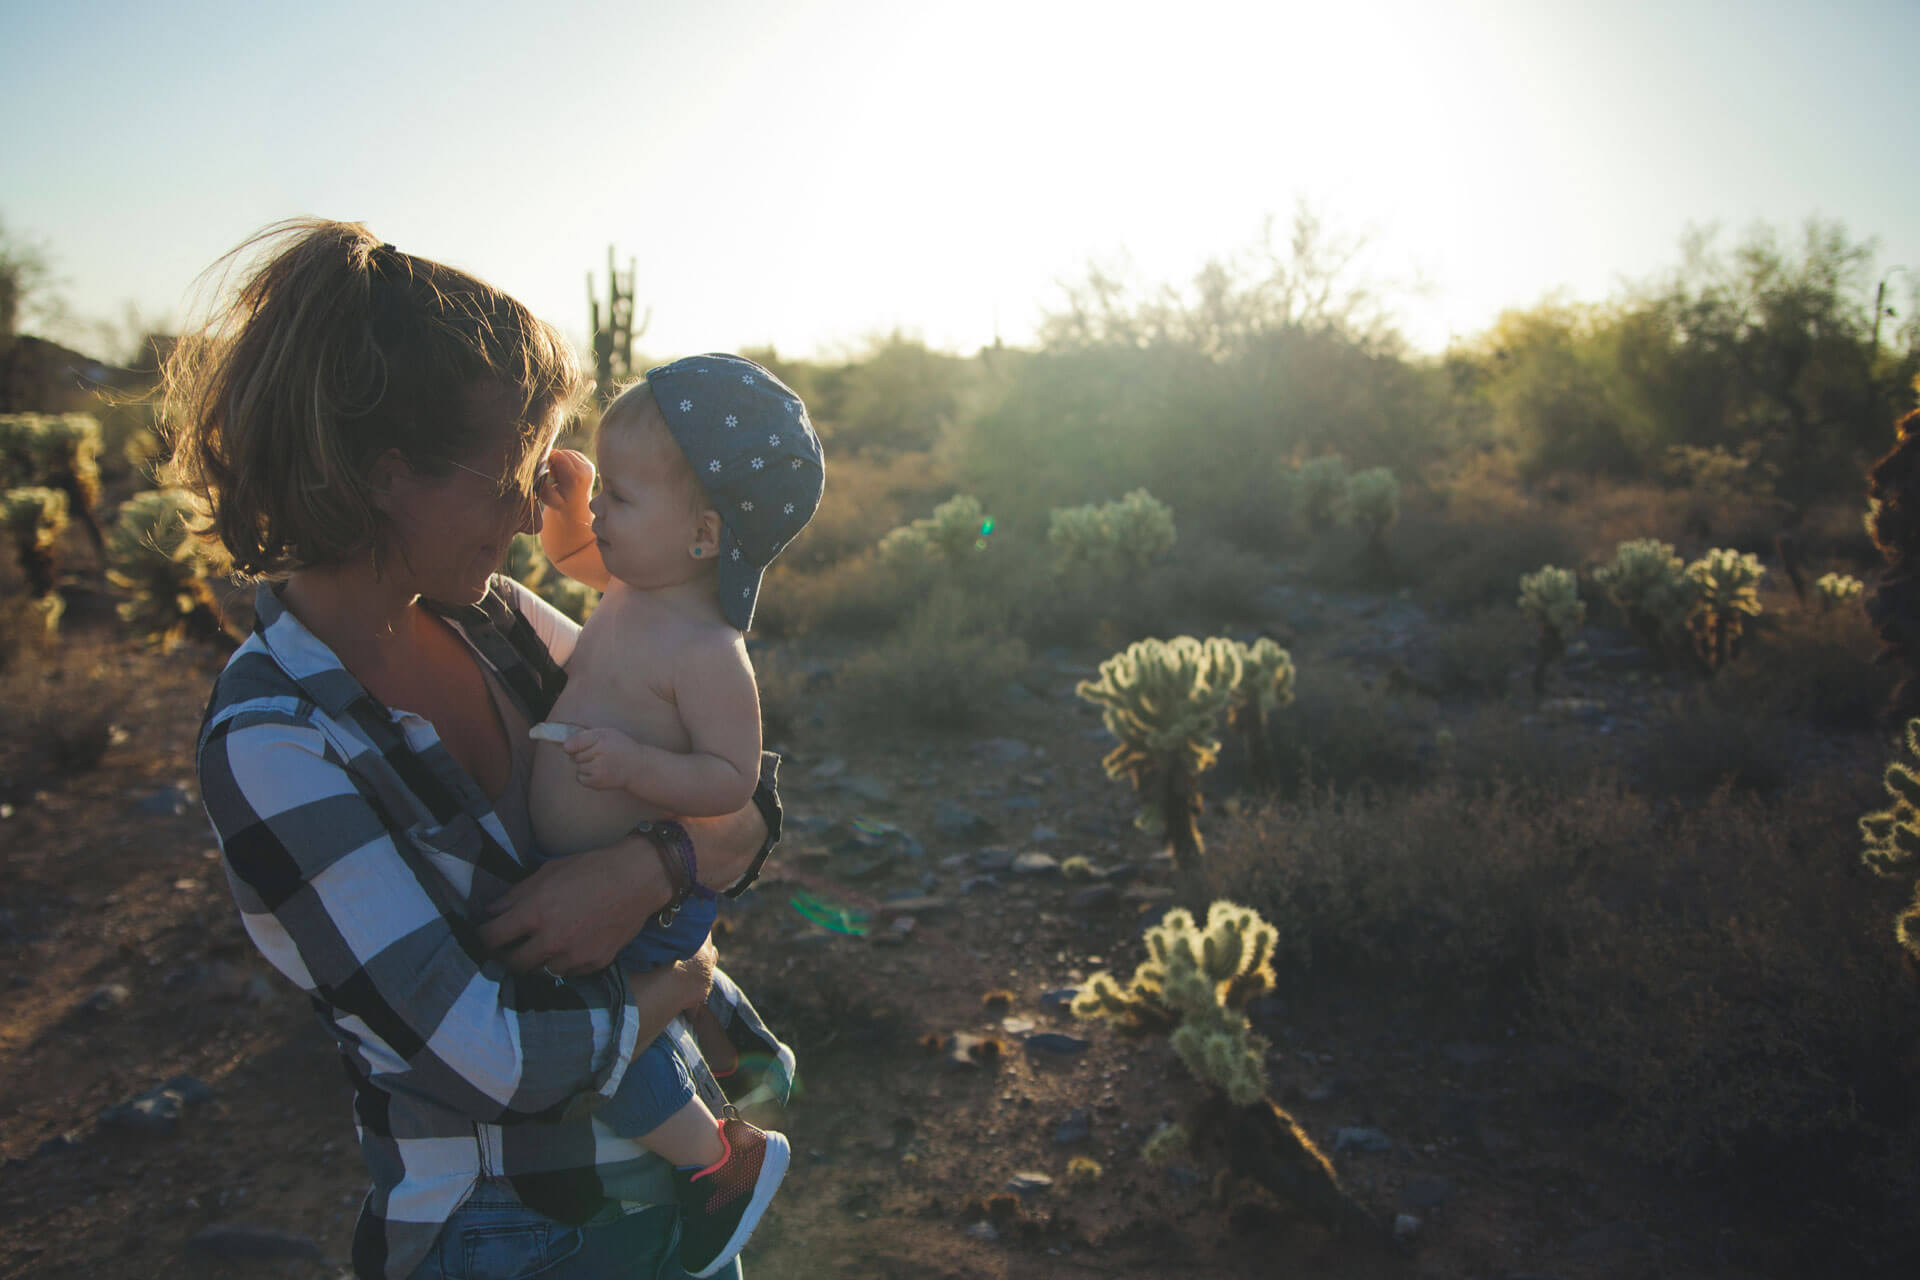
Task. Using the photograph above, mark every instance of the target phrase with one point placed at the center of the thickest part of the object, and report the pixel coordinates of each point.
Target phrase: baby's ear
(706, 536)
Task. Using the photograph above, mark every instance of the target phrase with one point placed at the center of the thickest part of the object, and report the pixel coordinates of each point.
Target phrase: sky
(812, 174)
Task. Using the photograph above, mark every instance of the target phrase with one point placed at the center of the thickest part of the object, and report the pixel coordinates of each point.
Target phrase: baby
(708, 469)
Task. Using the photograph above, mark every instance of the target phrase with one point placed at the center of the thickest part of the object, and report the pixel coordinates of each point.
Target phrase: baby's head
(730, 444)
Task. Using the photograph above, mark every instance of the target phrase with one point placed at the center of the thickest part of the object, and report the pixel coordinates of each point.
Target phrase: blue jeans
(495, 1237)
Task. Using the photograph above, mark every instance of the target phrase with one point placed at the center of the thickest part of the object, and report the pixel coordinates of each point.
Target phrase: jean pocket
(515, 1251)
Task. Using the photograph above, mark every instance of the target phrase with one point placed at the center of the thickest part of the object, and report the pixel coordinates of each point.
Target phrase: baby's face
(645, 527)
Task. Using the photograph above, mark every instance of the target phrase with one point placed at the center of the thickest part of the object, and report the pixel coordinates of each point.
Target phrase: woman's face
(451, 533)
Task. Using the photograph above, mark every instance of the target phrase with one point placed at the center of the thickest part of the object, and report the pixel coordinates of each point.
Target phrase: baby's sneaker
(721, 1204)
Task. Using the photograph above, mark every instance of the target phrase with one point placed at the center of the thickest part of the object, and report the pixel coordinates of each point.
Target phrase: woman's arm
(354, 914)
(566, 524)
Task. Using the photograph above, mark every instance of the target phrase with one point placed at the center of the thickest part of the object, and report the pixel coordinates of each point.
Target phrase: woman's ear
(706, 536)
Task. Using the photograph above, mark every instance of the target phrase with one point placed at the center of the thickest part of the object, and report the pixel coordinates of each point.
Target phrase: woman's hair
(1893, 494)
(334, 349)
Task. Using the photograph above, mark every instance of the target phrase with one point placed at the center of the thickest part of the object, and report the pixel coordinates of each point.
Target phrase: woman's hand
(573, 914)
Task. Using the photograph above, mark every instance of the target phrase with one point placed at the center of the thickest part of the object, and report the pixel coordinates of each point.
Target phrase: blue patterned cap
(747, 437)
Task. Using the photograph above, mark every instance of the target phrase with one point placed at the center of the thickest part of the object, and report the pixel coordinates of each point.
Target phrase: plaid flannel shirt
(361, 856)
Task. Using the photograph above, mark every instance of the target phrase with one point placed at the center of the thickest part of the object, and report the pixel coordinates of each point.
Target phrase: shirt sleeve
(556, 630)
(357, 914)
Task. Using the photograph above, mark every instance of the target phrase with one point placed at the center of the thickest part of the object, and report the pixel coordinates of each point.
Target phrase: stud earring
(696, 553)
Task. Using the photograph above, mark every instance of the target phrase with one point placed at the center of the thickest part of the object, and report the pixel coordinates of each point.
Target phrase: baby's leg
(690, 1137)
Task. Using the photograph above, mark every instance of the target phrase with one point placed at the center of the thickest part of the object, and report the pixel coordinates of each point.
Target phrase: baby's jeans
(656, 1084)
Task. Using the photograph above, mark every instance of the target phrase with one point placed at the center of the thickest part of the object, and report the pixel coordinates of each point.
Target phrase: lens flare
(830, 915)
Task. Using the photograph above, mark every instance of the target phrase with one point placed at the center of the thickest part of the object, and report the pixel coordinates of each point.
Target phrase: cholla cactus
(1320, 492)
(151, 556)
(59, 451)
(527, 563)
(1551, 598)
(1112, 537)
(35, 517)
(1648, 583)
(1193, 986)
(1373, 504)
(1892, 836)
(1265, 684)
(957, 529)
(1168, 1143)
(1162, 699)
(1838, 588)
(1726, 598)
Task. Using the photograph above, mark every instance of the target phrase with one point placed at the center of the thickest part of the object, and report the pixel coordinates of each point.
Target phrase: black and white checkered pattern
(361, 856)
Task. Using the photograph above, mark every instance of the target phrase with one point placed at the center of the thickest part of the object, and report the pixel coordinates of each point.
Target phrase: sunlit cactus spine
(1193, 987)
(1264, 686)
(1836, 589)
(1725, 602)
(1648, 584)
(1892, 837)
(528, 564)
(59, 451)
(1373, 506)
(35, 517)
(163, 569)
(1112, 537)
(1551, 599)
(1162, 700)
(1319, 490)
(958, 528)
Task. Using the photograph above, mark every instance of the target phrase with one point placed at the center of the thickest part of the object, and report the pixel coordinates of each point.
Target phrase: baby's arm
(566, 522)
(720, 707)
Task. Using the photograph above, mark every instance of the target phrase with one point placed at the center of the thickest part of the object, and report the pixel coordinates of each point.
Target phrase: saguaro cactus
(1551, 598)
(1726, 599)
(1162, 699)
(151, 556)
(1193, 988)
(1892, 837)
(612, 327)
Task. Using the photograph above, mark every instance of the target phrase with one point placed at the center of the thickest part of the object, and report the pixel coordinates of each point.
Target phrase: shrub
(1477, 656)
(957, 529)
(947, 668)
(1469, 553)
(1814, 666)
(1341, 732)
(1319, 492)
(1706, 739)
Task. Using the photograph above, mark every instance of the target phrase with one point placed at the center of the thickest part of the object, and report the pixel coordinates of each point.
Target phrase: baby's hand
(604, 759)
(569, 489)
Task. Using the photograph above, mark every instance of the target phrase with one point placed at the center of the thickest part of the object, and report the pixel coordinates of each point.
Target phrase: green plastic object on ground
(829, 915)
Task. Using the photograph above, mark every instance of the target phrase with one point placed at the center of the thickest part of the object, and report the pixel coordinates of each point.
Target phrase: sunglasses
(540, 478)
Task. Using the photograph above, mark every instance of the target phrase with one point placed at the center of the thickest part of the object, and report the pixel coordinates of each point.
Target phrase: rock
(956, 862)
(1357, 1139)
(983, 1231)
(1020, 802)
(1035, 864)
(1002, 750)
(1028, 1183)
(1095, 897)
(56, 1145)
(857, 868)
(1425, 1193)
(1052, 1044)
(158, 1110)
(831, 767)
(1042, 833)
(957, 823)
(1615, 1237)
(1185, 1179)
(980, 884)
(1464, 1054)
(1076, 1128)
(169, 801)
(1405, 1227)
(1015, 1025)
(1059, 1000)
(993, 859)
(872, 790)
(232, 1240)
(920, 905)
(106, 999)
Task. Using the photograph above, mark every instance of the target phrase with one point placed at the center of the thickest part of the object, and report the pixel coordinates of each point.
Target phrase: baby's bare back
(619, 677)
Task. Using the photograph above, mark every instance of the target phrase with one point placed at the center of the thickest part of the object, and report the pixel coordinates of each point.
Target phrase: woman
(365, 432)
